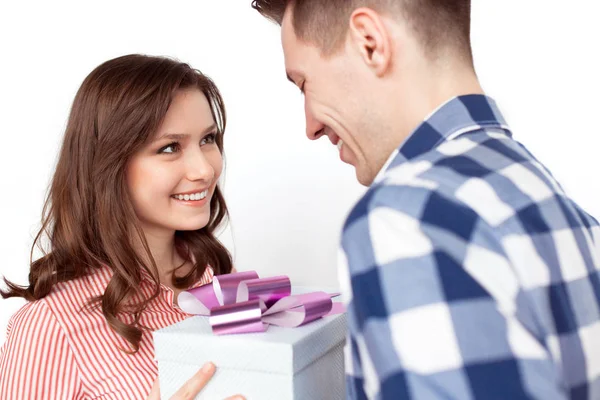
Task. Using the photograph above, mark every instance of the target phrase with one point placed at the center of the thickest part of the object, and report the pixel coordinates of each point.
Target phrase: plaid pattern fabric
(468, 272)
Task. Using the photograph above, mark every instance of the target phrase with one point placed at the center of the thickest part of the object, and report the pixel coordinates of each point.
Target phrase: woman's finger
(196, 383)
(155, 392)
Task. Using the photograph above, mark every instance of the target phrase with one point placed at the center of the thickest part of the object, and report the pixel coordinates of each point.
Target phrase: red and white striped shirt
(58, 349)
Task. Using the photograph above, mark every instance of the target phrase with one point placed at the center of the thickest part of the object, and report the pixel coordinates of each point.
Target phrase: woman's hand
(192, 387)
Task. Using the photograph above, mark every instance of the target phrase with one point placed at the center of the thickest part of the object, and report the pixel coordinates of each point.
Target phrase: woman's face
(171, 180)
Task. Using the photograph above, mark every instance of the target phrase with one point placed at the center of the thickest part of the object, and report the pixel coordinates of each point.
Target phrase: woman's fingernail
(208, 368)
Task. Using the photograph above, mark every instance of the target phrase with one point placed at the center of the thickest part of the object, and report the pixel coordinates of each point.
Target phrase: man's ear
(370, 35)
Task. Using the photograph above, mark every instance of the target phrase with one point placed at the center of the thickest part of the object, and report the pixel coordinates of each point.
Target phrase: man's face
(336, 99)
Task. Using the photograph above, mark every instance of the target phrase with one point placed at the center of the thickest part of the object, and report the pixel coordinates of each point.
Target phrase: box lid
(278, 350)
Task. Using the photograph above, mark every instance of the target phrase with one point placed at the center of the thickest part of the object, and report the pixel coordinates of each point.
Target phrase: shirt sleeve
(36, 361)
(433, 306)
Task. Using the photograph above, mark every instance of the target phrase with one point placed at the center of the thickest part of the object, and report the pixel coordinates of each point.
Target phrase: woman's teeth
(192, 197)
(339, 144)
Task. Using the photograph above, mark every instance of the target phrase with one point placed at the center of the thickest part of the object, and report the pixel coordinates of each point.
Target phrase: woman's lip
(192, 202)
(192, 192)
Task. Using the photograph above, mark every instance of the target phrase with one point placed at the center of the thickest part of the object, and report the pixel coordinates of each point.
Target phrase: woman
(130, 220)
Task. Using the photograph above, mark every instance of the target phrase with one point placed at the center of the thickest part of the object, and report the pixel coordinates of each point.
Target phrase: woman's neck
(164, 253)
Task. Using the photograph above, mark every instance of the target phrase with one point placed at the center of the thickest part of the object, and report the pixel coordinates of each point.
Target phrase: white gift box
(304, 363)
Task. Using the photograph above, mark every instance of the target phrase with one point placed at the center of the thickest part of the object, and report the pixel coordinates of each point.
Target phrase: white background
(287, 196)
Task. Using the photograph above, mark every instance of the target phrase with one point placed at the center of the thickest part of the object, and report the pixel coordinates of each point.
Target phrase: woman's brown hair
(88, 215)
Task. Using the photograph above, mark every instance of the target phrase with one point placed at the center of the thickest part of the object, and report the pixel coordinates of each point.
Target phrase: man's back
(472, 274)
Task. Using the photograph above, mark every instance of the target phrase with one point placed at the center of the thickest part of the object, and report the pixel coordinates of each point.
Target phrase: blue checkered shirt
(468, 272)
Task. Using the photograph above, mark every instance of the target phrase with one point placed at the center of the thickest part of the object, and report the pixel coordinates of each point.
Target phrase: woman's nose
(198, 167)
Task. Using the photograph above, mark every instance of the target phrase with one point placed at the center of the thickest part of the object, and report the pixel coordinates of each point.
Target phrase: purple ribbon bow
(242, 303)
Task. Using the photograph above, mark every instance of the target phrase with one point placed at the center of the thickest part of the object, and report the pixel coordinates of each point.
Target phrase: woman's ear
(371, 37)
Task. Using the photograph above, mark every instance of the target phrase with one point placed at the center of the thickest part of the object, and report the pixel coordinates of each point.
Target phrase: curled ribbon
(242, 303)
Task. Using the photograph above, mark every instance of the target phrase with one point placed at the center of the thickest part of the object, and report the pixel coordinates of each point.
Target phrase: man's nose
(314, 129)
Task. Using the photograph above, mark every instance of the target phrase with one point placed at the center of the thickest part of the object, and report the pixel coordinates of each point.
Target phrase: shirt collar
(452, 119)
(146, 277)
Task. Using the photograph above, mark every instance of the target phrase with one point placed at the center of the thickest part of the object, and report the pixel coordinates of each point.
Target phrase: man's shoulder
(486, 172)
(417, 186)
(484, 177)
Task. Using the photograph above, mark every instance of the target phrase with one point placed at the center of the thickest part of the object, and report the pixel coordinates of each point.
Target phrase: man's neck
(414, 95)
(427, 92)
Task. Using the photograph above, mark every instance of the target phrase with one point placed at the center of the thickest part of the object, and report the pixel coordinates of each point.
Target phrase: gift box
(281, 363)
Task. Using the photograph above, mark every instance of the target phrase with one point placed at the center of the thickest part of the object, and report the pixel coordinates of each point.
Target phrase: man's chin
(364, 177)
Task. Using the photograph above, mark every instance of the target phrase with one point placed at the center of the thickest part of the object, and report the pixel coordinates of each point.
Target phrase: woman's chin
(191, 225)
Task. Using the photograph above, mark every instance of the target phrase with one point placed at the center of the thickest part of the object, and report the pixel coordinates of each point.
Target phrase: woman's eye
(209, 139)
(169, 149)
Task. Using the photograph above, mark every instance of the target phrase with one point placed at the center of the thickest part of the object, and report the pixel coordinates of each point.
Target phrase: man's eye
(209, 139)
(169, 149)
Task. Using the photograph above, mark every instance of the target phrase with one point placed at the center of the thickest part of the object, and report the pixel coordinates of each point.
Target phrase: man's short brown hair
(437, 23)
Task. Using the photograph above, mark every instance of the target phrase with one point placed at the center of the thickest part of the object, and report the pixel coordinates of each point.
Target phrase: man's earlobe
(369, 34)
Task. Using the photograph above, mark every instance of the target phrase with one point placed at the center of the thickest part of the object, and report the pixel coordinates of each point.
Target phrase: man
(468, 271)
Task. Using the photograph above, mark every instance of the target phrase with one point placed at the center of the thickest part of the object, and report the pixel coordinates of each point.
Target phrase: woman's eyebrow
(180, 136)
(173, 136)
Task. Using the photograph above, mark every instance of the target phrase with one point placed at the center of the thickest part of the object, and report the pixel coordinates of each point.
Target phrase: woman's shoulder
(30, 327)
(33, 315)
(36, 342)
(65, 300)
(79, 290)
(69, 302)
(69, 293)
